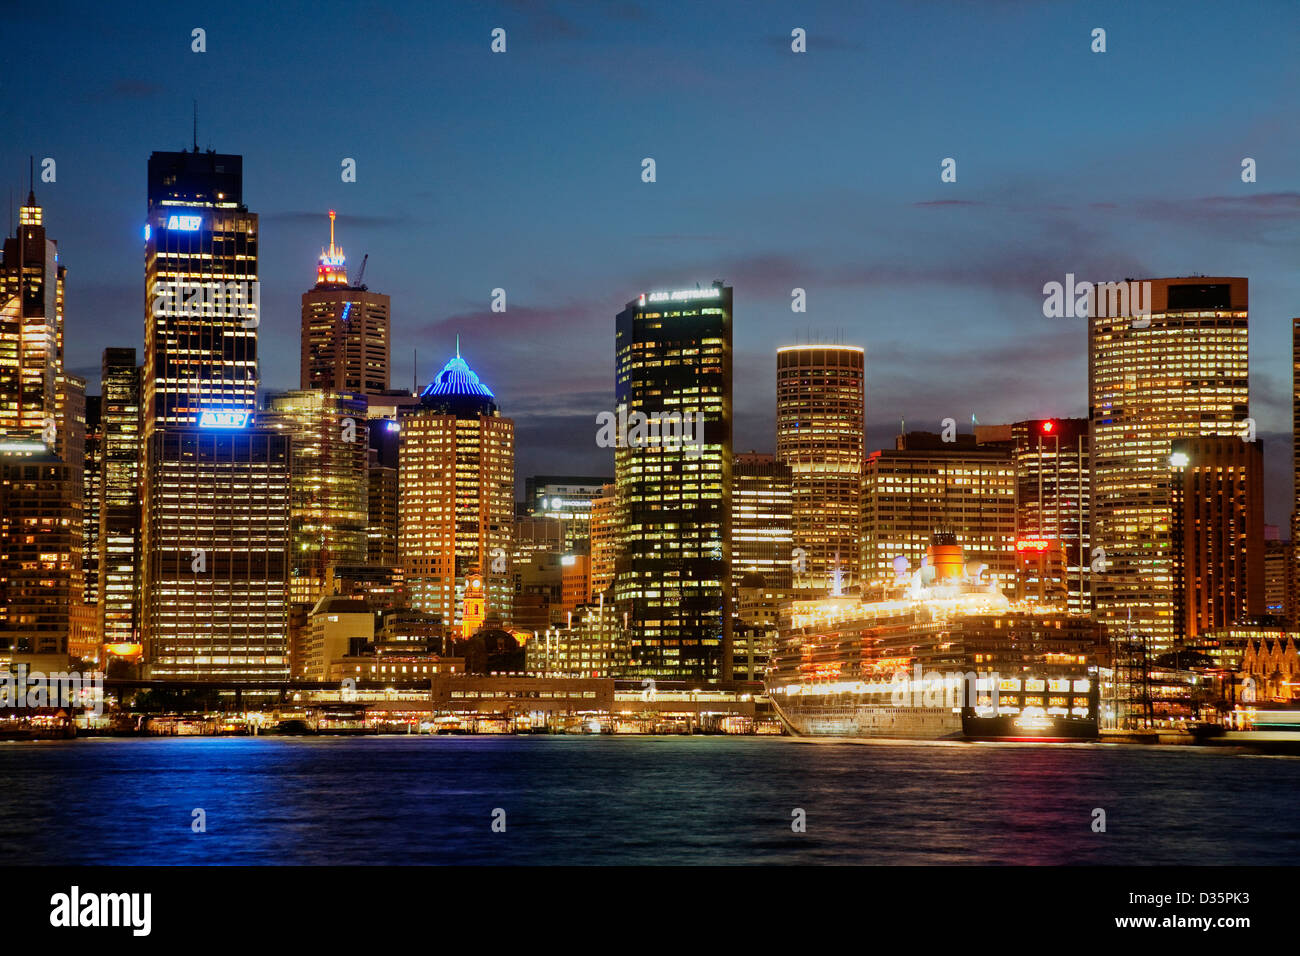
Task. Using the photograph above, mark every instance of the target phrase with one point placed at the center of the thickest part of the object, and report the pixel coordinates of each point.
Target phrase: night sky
(775, 170)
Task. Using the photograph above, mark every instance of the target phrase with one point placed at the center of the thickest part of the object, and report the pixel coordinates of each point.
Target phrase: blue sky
(775, 170)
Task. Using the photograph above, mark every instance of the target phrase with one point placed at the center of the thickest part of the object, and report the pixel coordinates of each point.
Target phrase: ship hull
(1007, 729)
(811, 717)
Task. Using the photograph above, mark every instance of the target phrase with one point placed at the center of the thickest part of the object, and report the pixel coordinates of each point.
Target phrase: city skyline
(527, 222)
(544, 432)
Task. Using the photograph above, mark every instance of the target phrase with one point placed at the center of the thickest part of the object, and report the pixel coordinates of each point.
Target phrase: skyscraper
(761, 520)
(345, 340)
(42, 454)
(456, 499)
(381, 482)
(216, 492)
(92, 477)
(604, 537)
(1218, 532)
(216, 605)
(201, 255)
(119, 507)
(1174, 369)
(31, 329)
(1053, 499)
(672, 353)
(820, 403)
(329, 499)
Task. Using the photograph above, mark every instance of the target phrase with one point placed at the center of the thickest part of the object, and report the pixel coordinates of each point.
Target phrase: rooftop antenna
(196, 125)
(457, 345)
(415, 364)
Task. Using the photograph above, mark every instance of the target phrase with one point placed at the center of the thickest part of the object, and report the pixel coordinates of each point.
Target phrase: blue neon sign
(185, 223)
(223, 418)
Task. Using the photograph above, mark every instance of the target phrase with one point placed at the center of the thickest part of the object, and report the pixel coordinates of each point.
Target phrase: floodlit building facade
(456, 474)
(345, 330)
(762, 516)
(820, 435)
(217, 604)
(1218, 532)
(1174, 367)
(924, 487)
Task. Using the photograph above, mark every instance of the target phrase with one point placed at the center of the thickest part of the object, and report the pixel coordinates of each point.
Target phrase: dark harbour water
(639, 800)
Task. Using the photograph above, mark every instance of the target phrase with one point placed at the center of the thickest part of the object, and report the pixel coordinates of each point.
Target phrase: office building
(40, 557)
(1175, 367)
(217, 551)
(672, 466)
(1053, 498)
(820, 404)
(336, 626)
(456, 474)
(381, 492)
(201, 275)
(1217, 500)
(762, 516)
(31, 330)
(329, 504)
(345, 339)
(1277, 576)
(120, 518)
(92, 476)
(591, 643)
(567, 498)
(926, 485)
(604, 534)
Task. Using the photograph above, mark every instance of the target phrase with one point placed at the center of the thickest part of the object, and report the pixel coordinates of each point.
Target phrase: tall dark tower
(216, 491)
(672, 355)
(119, 504)
(201, 255)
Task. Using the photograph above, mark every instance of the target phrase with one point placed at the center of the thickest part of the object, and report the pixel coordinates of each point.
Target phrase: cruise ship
(940, 653)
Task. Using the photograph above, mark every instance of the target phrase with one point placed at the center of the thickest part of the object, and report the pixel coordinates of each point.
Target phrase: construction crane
(361, 273)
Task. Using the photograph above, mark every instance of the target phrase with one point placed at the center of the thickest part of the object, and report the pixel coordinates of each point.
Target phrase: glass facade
(1179, 372)
(672, 578)
(329, 502)
(217, 606)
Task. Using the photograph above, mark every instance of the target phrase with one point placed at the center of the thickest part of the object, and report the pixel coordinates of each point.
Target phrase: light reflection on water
(639, 800)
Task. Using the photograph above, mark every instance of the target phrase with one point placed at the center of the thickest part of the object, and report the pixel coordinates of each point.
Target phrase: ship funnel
(945, 555)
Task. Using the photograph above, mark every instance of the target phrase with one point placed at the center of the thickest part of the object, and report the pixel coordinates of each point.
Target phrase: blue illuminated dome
(458, 388)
